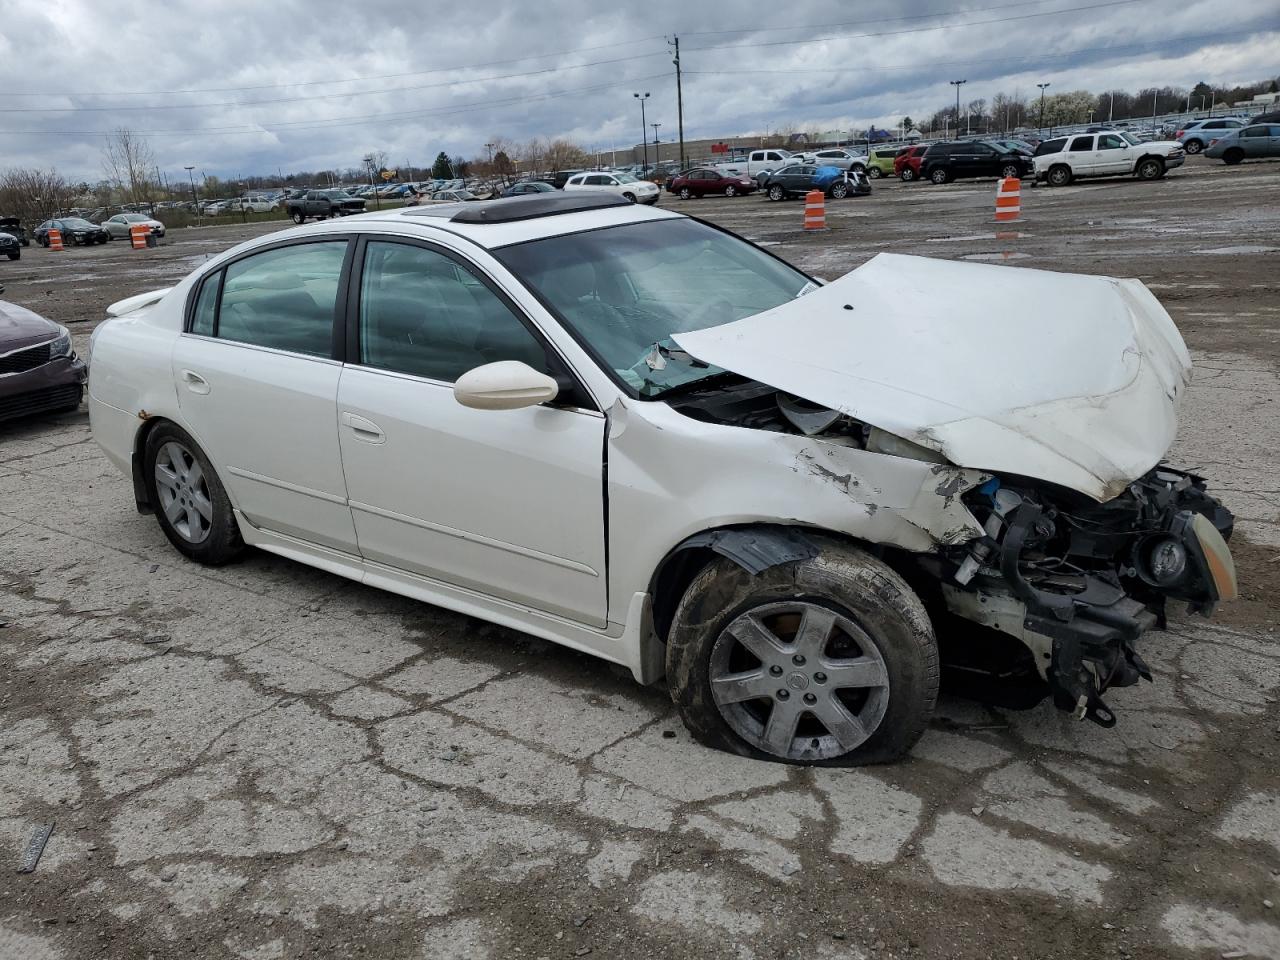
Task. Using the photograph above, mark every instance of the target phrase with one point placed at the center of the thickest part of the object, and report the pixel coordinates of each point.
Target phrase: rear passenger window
(1051, 146)
(423, 314)
(206, 304)
(283, 298)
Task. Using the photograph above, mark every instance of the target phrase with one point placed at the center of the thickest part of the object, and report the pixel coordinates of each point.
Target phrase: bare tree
(127, 161)
(34, 195)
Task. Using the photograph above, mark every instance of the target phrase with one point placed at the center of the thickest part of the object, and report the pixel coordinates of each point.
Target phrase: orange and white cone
(815, 210)
(138, 235)
(1008, 200)
(55, 239)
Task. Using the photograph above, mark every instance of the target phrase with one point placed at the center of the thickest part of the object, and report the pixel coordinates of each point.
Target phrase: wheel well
(1149, 156)
(141, 495)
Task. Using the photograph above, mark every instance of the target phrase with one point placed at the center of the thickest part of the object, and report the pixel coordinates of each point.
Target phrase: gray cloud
(237, 87)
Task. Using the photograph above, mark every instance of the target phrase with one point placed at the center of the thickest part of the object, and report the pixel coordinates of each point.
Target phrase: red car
(906, 164)
(703, 180)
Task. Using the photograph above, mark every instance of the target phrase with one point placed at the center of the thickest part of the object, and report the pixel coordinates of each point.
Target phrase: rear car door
(1079, 155)
(257, 373)
(506, 502)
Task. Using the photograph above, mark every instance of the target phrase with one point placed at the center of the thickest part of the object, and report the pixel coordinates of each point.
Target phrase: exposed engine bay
(1075, 580)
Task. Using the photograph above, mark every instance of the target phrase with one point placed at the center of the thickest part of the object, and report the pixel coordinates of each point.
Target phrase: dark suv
(957, 159)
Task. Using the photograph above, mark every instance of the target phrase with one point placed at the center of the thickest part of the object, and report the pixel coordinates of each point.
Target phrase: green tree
(908, 124)
(442, 169)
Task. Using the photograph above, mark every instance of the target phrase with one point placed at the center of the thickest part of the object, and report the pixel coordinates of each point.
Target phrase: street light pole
(377, 203)
(957, 84)
(191, 180)
(657, 150)
(1042, 86)
(644, 133)
(675, 42)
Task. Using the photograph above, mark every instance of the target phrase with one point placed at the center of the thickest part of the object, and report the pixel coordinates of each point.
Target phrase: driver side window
(423, 314)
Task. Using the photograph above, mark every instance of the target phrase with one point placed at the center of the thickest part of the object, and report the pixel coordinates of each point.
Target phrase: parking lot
(265, 761)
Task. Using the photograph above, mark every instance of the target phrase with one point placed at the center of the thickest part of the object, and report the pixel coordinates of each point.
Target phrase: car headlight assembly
(62, 346)
(1163, 562)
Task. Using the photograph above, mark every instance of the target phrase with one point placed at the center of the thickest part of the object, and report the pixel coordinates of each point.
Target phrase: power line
(862, 23)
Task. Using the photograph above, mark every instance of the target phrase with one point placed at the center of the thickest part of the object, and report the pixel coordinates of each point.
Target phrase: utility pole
(675, 42)
(957, 84)
(1042, 86)
(368, 161)
(657, 150)
(644, 133)
(194, 199)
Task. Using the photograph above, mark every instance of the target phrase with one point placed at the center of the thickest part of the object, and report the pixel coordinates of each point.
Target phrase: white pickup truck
(757, 161)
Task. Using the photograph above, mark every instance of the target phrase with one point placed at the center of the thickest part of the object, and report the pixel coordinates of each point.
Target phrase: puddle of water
(996, 256)
(1243, 248)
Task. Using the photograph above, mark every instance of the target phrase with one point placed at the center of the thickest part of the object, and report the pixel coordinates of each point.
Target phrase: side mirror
(504, 385)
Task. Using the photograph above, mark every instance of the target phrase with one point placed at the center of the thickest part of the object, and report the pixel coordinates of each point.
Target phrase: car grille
(37, 401)
(23, 360)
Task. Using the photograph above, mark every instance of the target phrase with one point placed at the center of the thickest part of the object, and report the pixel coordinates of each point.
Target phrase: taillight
(1179, 134)
(1213, 141)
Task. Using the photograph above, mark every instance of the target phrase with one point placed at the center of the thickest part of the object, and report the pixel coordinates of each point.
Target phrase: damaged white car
(635, 434)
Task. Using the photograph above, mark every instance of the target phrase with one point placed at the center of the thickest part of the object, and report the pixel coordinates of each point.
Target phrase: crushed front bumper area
(1079, 585)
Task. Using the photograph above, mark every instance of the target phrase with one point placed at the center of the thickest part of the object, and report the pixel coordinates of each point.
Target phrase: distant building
(1259, 102)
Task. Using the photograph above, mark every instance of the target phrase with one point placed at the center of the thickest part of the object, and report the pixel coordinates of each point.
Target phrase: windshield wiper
(658, 355)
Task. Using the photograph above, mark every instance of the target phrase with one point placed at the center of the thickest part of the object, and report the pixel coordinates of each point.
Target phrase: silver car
(1247, 143)
(1198, 134)
(119, 225)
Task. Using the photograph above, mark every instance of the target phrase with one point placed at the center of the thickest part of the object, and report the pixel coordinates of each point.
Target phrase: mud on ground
(265, 761)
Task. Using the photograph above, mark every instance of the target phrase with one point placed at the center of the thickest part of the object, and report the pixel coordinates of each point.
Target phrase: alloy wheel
(797, 679)
(183, 492)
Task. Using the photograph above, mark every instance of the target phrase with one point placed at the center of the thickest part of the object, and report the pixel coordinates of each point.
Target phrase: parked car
(837, 157)
(1015, 144)
(13, 227)
(324, 204)
(75, 230)
(1270, 117)
(118, 227)
(39, 372)
(906, 163)
(880, 162)
(623, 184)
(706, 180)
(797, 179)
(10, 246)
(756, 162)
(454, 196)
(634, 433)
(965, 159)
(525, 187)
(1198, 134)
(1105, 155)
(1247, 143)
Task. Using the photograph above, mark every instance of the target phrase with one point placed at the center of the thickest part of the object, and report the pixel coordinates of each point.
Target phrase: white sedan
(620, 184)
(119, 226)
(638, 435)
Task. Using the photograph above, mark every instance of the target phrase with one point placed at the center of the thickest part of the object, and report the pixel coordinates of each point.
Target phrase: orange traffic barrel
(1008, 199)
(815, 210)
(55, 239)
(138, 234)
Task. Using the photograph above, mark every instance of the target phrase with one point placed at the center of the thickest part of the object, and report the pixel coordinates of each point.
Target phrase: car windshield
(334, 194)
(1130, 139)
(135, 218)
(625, 178)
(624, 291)
(78, 224)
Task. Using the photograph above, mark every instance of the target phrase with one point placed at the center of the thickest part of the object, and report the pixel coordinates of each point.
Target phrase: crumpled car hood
(1071, 379)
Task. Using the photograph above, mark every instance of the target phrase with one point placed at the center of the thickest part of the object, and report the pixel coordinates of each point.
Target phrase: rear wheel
(826, 661)
(191, 505)
(939, 175)
(875, 173)
(777, 193)
(1233, 156)
(1059, 175)
(907, 174)
(1150, 168)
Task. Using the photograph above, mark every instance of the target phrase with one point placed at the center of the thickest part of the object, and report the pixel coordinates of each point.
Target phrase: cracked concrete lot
(265, 761)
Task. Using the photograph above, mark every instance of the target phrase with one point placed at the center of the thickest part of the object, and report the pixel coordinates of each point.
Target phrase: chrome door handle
(365, 430)
(195, 383)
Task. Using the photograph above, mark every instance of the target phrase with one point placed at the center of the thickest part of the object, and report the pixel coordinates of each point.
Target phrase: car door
(257, 372)
(1080, 155)
(1111, 154)
(1255, 140)
(506, 502)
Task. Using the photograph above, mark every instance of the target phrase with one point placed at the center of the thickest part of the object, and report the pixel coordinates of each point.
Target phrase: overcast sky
(246, 86)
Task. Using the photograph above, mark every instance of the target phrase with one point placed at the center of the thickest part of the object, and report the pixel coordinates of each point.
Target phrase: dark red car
(906, 165)
(701, 181)
(39, 371)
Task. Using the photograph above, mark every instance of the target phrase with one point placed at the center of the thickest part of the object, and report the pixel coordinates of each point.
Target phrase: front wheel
(685, 193)
(1150, 169)
(731, 191)
(299, 217)
(777, 193)
(190, 502)
(839, 190)
(1193, 146)
(16, 255)
(829, 661)
(630, 196)
(1011, 171)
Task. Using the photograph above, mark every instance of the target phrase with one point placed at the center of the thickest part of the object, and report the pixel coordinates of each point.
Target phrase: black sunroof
(528, 207)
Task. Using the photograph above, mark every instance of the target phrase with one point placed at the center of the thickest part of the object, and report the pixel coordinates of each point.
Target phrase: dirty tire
(843, 579)
(1150, 169)
(1059, 176)
(1233, 156)
(223, 542)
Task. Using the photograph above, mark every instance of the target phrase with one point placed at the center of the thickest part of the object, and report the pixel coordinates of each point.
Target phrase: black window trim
(337, 345)
(573, 390)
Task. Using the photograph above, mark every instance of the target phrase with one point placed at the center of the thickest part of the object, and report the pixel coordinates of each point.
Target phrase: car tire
(211, 538)
(939, 176)
(1150, 168)
(777, 193)
(1059, 175)
(1233, 156)
(875, 173)
(44, 241)
(731, 191)
(16, 255)
(630, 196)
(685, 193)
(298, 217)
(907, 175)
(858, 168)
(1011, 172)
(1192, 146)
(863, 622)
(839, 190)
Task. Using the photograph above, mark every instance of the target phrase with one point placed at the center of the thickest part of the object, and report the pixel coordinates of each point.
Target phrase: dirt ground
(265, 761)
